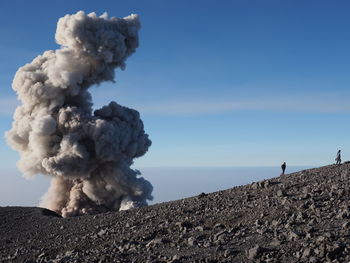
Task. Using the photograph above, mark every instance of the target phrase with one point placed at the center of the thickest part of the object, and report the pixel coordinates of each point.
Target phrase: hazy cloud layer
(306, 104)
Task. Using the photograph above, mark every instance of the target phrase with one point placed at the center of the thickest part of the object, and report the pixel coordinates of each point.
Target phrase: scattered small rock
(255, 252)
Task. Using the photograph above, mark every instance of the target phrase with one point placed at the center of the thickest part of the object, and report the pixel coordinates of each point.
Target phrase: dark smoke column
(87, 154)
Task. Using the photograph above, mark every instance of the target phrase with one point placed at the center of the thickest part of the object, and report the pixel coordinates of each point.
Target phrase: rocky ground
(299, 217)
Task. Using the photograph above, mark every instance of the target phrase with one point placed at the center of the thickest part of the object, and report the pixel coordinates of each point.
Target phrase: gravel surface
(299, 217)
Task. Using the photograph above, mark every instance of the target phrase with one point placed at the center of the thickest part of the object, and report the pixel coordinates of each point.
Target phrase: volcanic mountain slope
(299, 217)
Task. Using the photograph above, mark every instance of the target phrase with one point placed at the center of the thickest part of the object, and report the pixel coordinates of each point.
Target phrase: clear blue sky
(217, 83)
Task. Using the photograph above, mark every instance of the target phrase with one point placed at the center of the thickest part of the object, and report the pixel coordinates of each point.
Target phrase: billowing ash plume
(87, 154)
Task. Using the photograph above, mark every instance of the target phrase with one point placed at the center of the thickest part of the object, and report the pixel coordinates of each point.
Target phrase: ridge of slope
(299, 217)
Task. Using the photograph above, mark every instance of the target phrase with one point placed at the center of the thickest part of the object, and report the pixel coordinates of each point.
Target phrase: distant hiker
(338, 158)
(283, 166)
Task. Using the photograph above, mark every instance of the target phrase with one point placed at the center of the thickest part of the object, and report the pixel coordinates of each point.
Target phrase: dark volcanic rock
(300, 217)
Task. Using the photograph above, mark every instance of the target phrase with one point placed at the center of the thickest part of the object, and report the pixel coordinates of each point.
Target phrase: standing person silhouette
(283, 166)
(338, 158)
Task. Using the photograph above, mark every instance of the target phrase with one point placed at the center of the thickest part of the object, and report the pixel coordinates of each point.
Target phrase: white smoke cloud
(55, 131)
